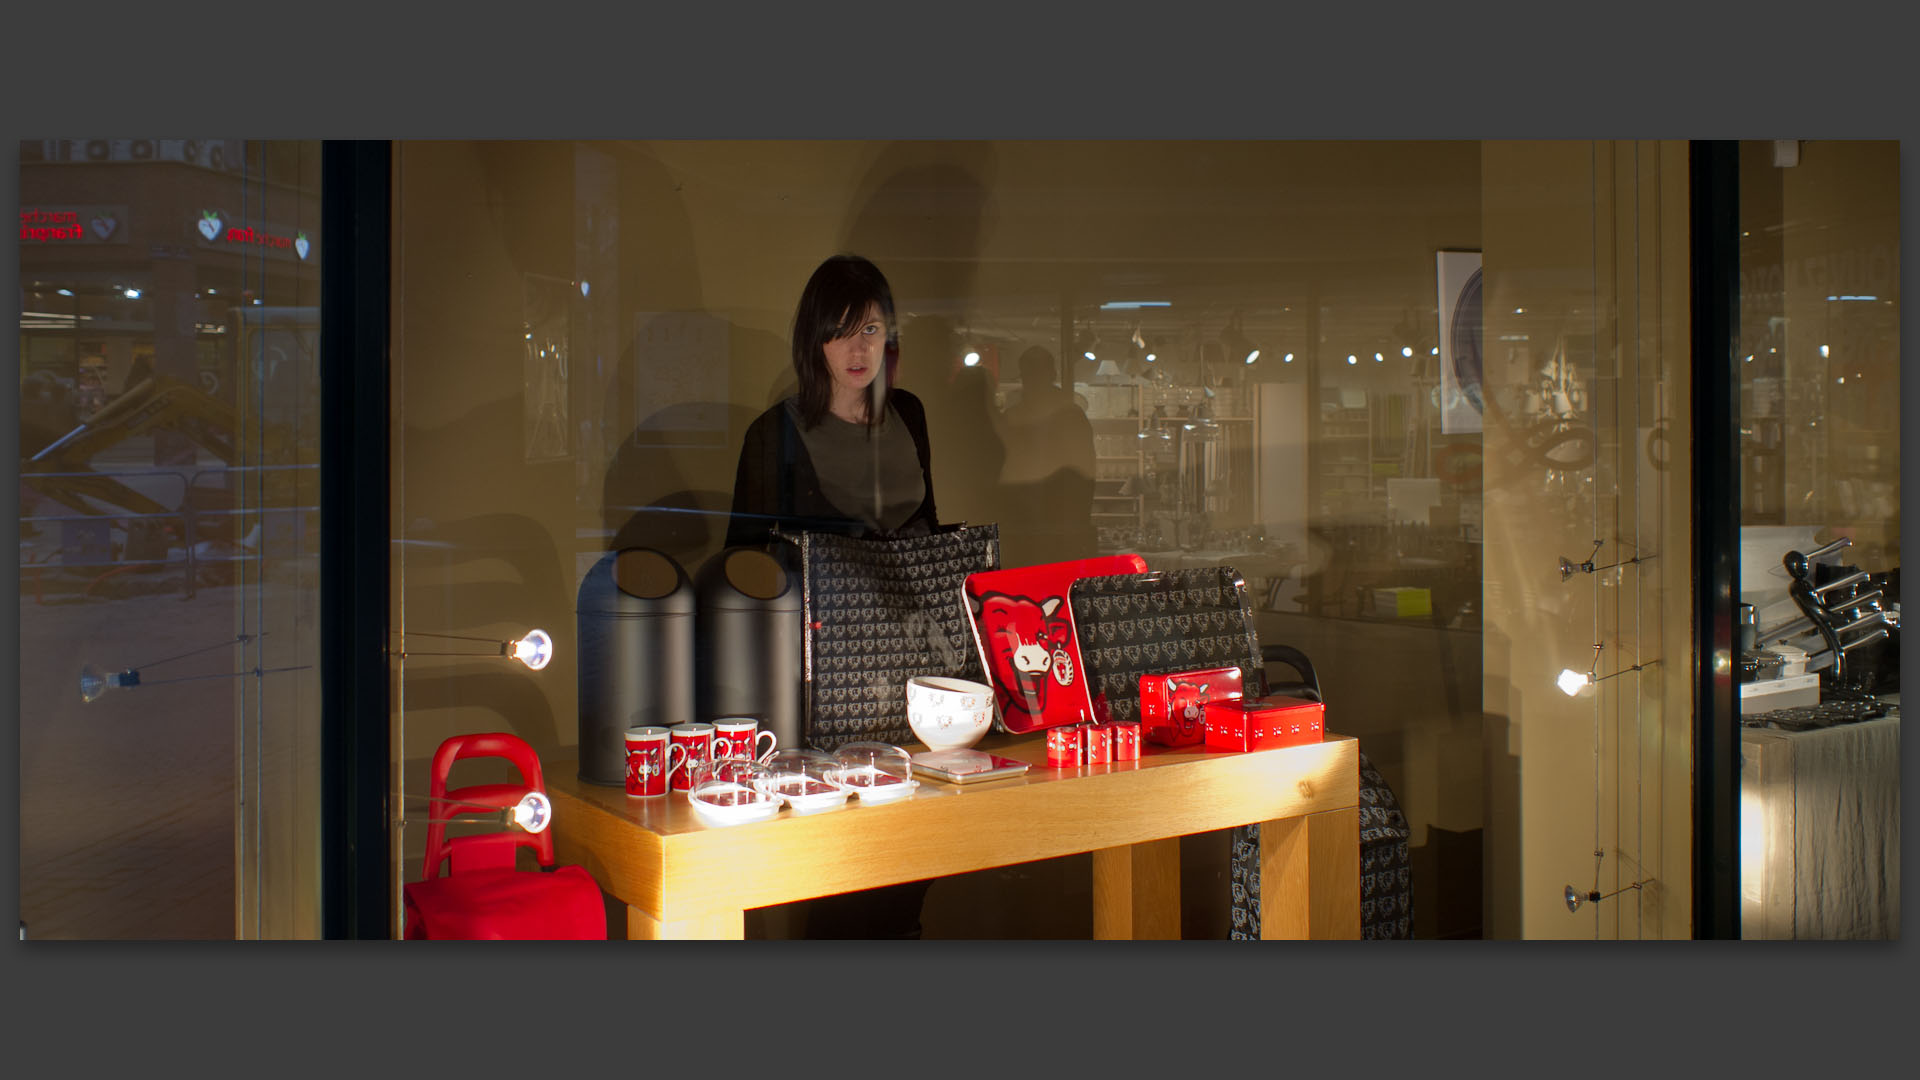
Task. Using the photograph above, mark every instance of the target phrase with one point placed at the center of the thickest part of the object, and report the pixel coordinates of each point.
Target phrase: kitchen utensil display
(635, 616)
(877, 612)
(1024, 634)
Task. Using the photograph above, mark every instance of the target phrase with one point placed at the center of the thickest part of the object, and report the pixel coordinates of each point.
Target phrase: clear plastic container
(875, 771)
(730, 791)
(808, 780)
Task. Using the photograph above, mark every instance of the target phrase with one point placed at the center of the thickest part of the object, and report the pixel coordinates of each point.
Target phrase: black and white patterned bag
(878, 611)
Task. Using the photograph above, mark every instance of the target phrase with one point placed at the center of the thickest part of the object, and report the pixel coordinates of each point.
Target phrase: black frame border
(1714, 195)
(356, 192)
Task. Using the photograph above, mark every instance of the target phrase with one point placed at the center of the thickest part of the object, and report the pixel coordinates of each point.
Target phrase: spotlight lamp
(94, 682)
(1575, 898)
(1572, 682)
(1568, 567)
(533, 648)
(1235, 344)
(533, 813)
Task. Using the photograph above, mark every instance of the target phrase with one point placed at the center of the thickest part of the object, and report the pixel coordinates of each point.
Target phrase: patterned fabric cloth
(880, 611)
(1386, 878)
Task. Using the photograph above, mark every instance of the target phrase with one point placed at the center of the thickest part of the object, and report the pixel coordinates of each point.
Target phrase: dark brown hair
(832, 306)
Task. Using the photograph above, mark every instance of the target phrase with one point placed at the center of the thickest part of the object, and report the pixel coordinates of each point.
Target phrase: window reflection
(169, 534)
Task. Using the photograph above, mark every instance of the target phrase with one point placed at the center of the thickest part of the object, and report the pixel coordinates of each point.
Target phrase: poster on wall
(1461, 404)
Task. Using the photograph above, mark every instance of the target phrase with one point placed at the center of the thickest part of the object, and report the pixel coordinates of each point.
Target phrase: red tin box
(1065, 746)
(1125, 740)
(1173, 707)
(1264, 723)
(1097, 744)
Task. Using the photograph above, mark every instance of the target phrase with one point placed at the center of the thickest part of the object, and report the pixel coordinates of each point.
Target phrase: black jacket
(776, 483)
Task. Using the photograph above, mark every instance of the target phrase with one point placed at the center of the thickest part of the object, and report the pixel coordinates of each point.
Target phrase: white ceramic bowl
(948, 714)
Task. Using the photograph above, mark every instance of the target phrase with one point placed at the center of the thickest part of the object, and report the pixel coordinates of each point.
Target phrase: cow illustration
(1026, 645)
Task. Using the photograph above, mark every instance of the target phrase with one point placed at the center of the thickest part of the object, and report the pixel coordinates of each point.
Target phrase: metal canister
(636, 619)
(748, 640)
(1065, 747)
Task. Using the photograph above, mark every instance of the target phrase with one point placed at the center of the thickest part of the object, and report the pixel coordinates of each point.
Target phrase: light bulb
(1378, 359)
(1823, 350)
(1572, 681)
(534, 649)
(93, 683)
(1287, 359)
(533, 812)
(1573, 899)
(1151, 358)
(1406, 350)
(971, 359)
(1089, 355)
(1352, 359)
(1252, 356)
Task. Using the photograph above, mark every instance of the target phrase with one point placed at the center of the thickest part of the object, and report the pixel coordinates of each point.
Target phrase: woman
(848, 453)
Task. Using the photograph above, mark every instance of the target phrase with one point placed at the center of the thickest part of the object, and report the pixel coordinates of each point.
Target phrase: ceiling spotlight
(1287, 359)
(134, 294)
(1151, 358)
(1352, 359)
(1406, 350)
(1435, 351)
(1235, 344)
(1378, 359)
(64, 292)
(1823, 348)
(972, 359)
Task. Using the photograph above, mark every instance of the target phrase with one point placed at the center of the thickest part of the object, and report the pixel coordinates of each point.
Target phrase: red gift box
(1066, 746)
(1173, 707)
(1097, 743)
(1124, 740)
(1264, 723)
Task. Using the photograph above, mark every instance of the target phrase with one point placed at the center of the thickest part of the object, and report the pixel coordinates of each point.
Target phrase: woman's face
(854, 360)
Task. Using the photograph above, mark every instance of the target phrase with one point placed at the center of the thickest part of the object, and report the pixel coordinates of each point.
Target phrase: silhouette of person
(1048, 476)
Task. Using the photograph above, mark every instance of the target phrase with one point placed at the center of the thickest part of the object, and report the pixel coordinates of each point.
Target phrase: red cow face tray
(1024, 631)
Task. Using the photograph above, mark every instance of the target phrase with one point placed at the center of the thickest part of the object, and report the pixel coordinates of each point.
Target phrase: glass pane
(1818, 371)
(587, 331)
(169, 538)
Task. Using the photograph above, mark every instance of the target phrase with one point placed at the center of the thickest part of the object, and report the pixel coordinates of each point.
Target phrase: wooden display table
(681, 878)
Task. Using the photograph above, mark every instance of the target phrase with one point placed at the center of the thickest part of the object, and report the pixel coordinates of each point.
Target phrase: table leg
(1136, 891)
(1310, 876)
(718, 926)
